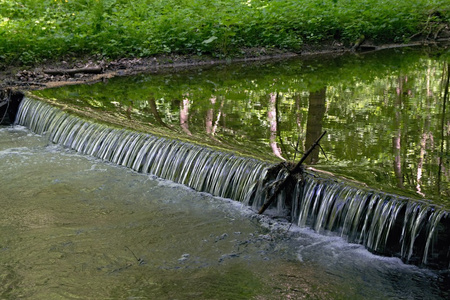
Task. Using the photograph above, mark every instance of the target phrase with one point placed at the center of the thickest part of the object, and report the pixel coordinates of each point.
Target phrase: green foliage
(32, 30)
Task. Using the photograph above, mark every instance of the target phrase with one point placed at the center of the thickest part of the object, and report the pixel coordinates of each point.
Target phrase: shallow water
(73, 227)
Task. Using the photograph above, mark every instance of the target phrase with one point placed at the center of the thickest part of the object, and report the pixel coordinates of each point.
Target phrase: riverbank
(83, 70)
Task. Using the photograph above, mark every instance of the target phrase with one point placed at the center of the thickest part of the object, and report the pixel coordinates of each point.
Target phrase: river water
(74, 227)
(384, 113)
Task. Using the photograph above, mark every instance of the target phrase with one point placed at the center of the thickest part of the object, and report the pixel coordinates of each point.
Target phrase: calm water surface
(72, 227)
(384, 113)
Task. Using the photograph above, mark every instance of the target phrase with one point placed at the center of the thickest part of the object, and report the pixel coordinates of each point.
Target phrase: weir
(418, 232)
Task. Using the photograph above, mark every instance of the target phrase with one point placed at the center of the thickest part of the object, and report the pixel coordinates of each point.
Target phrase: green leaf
(210, 40)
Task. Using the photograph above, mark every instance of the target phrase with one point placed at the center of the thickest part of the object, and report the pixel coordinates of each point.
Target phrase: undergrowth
(34, 30)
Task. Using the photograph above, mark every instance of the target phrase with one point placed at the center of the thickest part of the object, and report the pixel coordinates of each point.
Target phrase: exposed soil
(38, 77)
(92, 69)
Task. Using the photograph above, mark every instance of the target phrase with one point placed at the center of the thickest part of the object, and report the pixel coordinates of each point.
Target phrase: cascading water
(416, 231)
(220, 174)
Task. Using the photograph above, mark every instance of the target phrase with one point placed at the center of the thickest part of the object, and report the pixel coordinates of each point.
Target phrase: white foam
(16, 151)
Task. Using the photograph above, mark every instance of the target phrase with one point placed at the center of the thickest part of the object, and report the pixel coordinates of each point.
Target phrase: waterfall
(416, 231)
(203, 169)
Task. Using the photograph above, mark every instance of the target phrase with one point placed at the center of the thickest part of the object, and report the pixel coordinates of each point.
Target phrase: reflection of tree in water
(154, 110)
(314, 124)
(397, 138)
(272, 117)
(426, 137)
(184, 115)
(419, 142)
(210, 117)
(444, 135)
(384, 116)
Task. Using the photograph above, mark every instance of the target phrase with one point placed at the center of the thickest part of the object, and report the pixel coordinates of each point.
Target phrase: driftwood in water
(293, 175)
(71, 72)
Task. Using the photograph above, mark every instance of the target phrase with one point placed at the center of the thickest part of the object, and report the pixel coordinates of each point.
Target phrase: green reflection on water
(384, 113)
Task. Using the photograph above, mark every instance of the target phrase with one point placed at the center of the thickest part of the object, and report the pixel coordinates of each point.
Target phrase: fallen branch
(91, 70)
(305, 156)
(290, 176)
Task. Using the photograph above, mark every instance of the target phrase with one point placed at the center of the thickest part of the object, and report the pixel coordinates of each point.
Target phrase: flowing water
(415, 231)
(76, 227)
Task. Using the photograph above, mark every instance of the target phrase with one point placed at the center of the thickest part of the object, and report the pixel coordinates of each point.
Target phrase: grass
(34, 30)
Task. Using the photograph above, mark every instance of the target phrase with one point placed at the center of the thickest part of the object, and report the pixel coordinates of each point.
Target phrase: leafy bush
(32, 30)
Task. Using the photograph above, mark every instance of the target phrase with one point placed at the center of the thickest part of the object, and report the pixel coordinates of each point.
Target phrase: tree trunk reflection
(184, 115)
(273, 124)
(316, 112)
(444, 104)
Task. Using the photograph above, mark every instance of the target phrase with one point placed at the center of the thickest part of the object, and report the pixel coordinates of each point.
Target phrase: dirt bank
(76, 70)
(91, 69)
